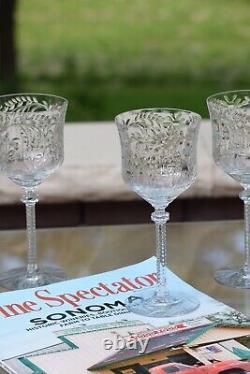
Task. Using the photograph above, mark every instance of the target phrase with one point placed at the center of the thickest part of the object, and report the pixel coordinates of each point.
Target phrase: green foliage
(107, 56)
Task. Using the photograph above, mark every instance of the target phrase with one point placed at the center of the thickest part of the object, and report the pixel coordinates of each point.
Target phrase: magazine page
(83, 325)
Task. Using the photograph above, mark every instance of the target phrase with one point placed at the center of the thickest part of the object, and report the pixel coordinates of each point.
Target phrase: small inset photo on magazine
(212, 353)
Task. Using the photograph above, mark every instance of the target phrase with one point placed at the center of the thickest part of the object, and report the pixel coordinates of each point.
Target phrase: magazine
(83, 326)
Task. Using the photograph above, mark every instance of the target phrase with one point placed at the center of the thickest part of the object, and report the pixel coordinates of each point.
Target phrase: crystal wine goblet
(230, 116)
(31, 149)
(159, 163)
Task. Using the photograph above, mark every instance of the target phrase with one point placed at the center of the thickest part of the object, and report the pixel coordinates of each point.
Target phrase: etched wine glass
(31, 149)
(230, 117)
(159, 163)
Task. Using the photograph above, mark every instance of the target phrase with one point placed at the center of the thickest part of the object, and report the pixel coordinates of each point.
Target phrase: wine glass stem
(160, 218)
(30, 198)
(245, 196)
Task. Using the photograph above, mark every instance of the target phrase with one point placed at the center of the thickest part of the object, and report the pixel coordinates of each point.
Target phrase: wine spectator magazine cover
(83, 326)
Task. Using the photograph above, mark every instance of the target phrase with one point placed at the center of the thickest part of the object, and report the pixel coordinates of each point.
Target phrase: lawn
(107, 56)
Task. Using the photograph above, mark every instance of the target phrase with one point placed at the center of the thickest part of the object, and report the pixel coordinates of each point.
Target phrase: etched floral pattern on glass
(157, 154)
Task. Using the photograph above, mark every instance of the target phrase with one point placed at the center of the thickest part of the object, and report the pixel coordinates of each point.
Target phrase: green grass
(107, 56)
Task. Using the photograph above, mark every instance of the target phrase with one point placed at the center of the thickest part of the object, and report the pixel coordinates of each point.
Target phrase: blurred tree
(8, 64)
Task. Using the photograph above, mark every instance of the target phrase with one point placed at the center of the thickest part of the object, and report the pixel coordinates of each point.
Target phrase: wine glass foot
(147, 303)
(18, 279)
(236, 278)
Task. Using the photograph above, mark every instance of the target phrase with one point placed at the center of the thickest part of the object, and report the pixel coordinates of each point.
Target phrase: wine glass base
(146, 303)
(17, 279)
(236, 278)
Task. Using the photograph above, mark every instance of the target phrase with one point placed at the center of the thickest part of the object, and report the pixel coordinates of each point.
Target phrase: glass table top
(195, 251)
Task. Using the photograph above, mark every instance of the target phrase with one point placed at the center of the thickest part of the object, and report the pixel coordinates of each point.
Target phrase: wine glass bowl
(159, 148)
(158, 152)
(230, 117)
(31, 149)
(32, 137)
